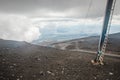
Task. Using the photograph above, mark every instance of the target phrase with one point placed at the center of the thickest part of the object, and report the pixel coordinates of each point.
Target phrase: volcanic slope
(24, 61)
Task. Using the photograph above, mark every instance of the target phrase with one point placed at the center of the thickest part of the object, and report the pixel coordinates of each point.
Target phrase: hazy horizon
(42, 20)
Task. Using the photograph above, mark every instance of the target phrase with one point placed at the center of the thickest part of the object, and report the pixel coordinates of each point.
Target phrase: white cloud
(53, 28)
(16, 27)
(22, 28)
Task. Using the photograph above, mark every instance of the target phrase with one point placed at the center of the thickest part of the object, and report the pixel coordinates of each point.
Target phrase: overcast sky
(24, 20)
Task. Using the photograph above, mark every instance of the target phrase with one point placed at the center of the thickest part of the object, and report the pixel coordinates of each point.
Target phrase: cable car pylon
(105, 31)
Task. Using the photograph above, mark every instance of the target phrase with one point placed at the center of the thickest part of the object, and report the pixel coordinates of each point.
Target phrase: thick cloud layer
(68, 28)
(14, 27)
(55, 8)
(27, 20)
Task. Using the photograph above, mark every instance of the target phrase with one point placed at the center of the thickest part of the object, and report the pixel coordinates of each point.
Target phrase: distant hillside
(91, 43)
(21, 47)
(12, 44)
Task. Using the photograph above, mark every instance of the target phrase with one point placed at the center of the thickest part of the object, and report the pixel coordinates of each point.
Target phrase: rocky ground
(31, 62)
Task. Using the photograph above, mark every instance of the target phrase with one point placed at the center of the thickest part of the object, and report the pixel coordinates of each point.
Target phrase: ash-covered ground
(24, 61)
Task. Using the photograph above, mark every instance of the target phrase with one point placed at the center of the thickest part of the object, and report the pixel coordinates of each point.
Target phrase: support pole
(99, 57)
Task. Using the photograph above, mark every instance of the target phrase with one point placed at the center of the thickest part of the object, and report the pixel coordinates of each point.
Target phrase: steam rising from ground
(16, 27)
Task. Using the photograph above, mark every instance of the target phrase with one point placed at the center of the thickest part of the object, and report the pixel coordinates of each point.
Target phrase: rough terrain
(24, 61)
